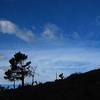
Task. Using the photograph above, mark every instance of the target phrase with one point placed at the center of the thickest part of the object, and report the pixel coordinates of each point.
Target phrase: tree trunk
(14, 83)
(32, 79)
(22, 80)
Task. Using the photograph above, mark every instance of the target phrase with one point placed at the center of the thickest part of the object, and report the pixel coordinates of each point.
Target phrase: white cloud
(51, 32)
(26, 35)
(8, 27)
(73, 36)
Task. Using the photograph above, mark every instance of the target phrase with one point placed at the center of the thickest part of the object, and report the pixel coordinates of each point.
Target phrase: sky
(57, 35)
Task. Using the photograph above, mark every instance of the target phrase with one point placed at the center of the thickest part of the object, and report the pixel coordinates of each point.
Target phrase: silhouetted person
(61, 76)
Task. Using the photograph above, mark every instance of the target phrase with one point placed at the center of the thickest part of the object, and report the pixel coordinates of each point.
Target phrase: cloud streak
(8, 27)
(49, 32)
(52, 32)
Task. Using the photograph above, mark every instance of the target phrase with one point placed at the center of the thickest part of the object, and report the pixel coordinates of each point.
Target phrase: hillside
(78, 86)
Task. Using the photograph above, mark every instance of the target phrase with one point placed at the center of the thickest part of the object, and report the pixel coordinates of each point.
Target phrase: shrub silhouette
(32, 73)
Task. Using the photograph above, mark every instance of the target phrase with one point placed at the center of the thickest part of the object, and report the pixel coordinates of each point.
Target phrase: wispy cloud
(73, 36)
(51, 32)
(26, 35)
(8, 27)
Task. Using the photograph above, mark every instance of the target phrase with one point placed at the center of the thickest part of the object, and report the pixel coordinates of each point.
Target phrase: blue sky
(58, 35)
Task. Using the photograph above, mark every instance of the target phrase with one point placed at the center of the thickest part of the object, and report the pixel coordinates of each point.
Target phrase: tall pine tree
(19, 68)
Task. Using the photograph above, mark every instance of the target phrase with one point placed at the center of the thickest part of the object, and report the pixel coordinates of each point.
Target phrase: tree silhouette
(32, 73)
(19, 68)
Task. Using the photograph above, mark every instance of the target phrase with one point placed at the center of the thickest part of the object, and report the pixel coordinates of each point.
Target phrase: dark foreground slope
(84, 86)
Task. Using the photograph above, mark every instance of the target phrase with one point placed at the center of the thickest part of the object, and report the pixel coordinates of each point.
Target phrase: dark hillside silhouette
(78, 86)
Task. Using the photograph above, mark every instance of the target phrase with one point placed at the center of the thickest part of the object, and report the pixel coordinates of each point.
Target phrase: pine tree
(19, 68)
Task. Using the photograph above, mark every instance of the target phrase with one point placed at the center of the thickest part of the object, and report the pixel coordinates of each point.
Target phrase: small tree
(19, 68)
(32, 74)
